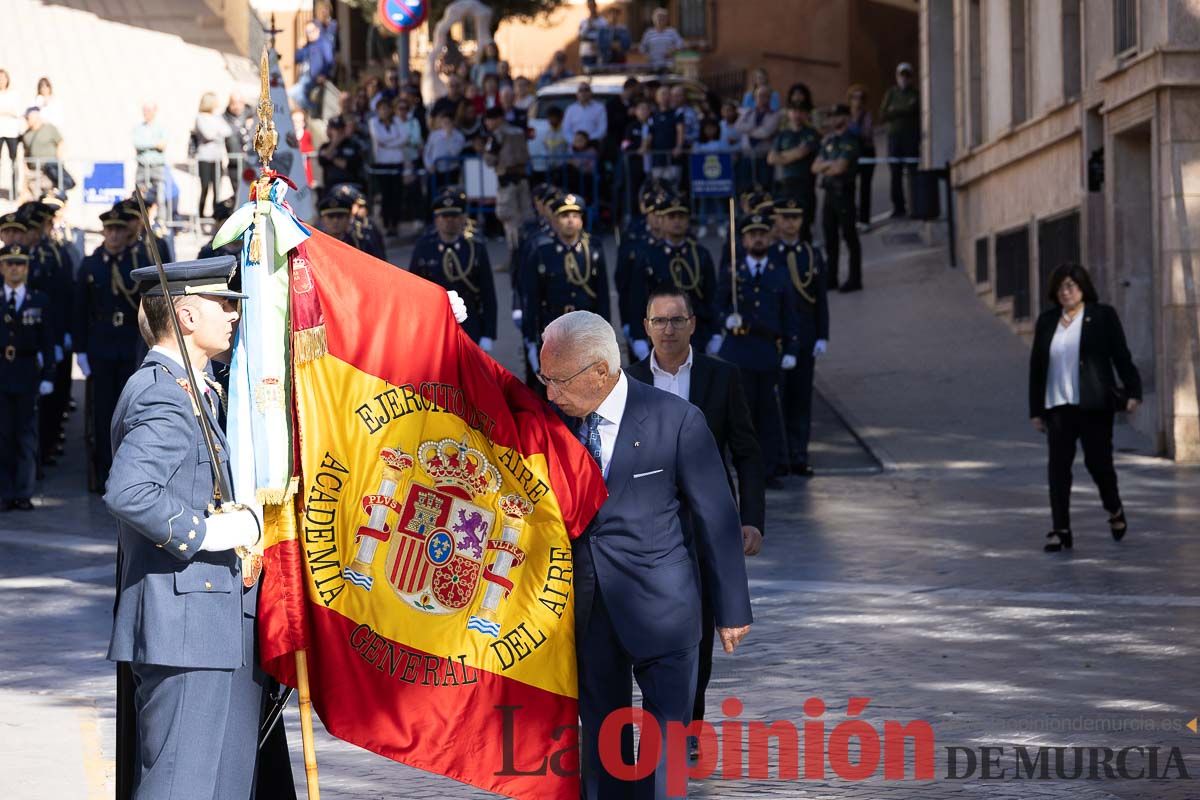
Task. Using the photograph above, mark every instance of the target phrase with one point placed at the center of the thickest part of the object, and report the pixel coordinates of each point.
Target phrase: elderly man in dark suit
(637, 606)
(713, 386)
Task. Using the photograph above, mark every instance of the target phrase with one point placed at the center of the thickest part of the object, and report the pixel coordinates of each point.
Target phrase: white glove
(67, 341)
(84, 367)
(58, 354)
(733, 321)
(531, 355)
(485, 344)
(787, 362)
(45, 388)
(714, 344)
(518, 315)
(819, 347)
(231, 529)
(640, 349)
(458, 306)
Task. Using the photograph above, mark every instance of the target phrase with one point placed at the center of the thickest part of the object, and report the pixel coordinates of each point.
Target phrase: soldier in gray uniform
(184, 620)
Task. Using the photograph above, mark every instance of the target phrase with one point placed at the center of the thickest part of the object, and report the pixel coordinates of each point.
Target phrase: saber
(222, 491)
(733, 267)
(273, 717)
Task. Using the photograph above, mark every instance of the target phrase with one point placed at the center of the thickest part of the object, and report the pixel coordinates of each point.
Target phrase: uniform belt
(118, 319)
(12, 353)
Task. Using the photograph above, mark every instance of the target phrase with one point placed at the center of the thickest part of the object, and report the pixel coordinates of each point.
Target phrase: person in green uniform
(835, 165)
(901, 112)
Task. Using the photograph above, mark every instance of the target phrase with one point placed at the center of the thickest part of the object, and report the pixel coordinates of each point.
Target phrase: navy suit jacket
(665, 460)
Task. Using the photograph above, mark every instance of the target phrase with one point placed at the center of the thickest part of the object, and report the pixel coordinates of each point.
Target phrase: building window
(1012, 270)
(693, 19)
(1124, 25)
(1058, 243)
(975, 71)
(982, 269)
(1071, 50)
(1017, 31)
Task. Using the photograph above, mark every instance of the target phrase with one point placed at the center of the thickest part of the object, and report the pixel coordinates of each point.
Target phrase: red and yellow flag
(428, 572)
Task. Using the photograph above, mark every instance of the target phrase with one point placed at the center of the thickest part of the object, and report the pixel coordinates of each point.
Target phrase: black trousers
(863, 175)
(762, 396)
(902, 145)
(838, 221)
(108, 379)
(1066, 425)
(209, 171)
(10, 144)
(796, 393)
(708, 631)
(18, 444)
(390, 188)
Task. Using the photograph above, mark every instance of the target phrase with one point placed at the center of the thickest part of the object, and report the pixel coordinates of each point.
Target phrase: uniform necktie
(589, 436)
(12, 301)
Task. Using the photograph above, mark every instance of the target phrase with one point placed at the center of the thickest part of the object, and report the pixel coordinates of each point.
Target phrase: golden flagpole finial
(265, 137)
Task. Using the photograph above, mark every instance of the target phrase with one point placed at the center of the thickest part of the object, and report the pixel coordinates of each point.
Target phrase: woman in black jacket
(1073, 395)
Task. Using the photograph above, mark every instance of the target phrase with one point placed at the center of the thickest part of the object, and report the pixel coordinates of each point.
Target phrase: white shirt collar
(657, 370)
(18, 292)
(613, 407)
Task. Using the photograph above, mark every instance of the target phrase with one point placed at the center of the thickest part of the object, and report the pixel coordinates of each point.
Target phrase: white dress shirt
(756, 266)
(679, 384)
(19, 292)
(611, 411)
(1062, 378)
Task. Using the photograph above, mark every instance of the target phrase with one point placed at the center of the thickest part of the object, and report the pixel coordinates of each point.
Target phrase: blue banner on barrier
(105, 183)
(712, 174)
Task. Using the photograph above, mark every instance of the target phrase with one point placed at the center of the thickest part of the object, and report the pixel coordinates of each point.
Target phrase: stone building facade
(1072, 130)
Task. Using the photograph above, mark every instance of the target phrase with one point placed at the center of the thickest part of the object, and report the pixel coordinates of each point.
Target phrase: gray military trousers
(197, 730)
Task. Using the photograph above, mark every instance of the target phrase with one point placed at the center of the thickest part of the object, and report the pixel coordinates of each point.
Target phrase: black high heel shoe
(1063, 541)
(1117, 525)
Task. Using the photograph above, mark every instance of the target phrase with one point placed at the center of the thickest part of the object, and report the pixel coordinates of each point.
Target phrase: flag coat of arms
(427, 567)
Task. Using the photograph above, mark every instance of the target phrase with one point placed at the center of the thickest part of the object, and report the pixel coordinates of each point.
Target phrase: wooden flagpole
(306, 727)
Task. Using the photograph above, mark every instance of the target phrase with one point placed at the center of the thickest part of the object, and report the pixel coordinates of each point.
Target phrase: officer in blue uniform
(459, 262)
(534, 234)
(679, 261)
(26, 372)
(12, 229)
(643, 235)
(761, 333)
(803, 265)
(105, 330)
(363, 233)
(568, 274)
(184, 621)
(158, 236)
(52, 272)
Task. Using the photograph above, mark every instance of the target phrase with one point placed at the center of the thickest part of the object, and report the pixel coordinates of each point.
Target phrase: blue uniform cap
(14, 252)
(568, 203)
(754, 222)
(788, 205)
(450, 201)
(204, 276)
(333, 204)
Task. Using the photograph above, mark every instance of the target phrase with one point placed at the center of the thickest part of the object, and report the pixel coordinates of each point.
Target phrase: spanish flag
(427, 568)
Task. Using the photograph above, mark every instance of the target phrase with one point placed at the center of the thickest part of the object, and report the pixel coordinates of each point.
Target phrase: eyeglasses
(559, 383)
(661, 323)
(1067, 285)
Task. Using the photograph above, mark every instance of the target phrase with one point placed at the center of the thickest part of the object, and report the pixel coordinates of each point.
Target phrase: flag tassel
(306, 727)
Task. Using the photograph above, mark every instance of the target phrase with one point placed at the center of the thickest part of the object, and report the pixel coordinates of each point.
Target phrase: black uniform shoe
(846, 288)
(21, 504)
(1117, 525)
(775, 483)
(1061, 540)
(803, 470)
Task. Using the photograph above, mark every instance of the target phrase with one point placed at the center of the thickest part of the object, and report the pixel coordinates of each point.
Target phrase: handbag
(50, 171)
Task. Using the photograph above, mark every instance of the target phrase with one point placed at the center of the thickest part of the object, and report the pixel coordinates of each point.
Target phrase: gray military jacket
(178, 606)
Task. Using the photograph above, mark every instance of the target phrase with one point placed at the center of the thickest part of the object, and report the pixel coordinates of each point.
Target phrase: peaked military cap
(568, 203)
(208, 276)
(114, 218)
(11, 221)
(671, 203)
(759, 202)
(34, 214)
(349, 193)
(333, 204)
(787, 205)
(450, 201)
(754, 222)
(14, 252)
(55, 199)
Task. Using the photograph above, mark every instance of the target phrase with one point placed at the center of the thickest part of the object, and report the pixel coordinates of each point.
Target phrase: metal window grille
(1012, 270)
(1124, 25)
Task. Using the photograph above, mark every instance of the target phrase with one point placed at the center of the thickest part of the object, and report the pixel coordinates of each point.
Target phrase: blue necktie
(589, 436)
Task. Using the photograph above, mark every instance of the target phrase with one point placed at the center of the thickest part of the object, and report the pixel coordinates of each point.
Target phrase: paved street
(922, 586)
